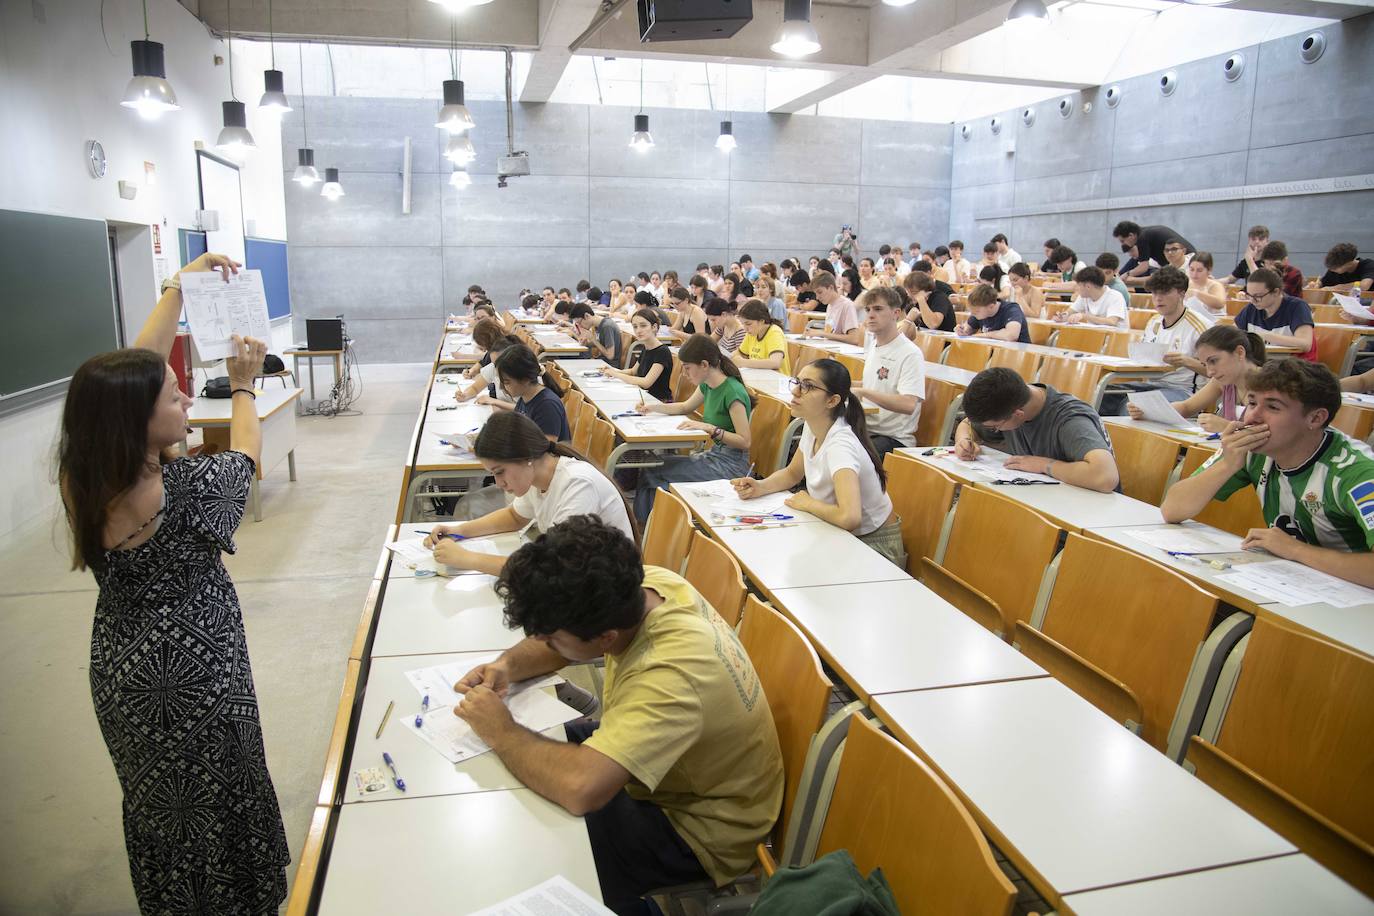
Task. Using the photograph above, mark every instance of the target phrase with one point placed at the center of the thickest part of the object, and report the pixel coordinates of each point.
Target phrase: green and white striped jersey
(1329, 501)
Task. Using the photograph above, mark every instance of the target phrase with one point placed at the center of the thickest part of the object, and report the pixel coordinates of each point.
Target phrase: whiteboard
(220, 190)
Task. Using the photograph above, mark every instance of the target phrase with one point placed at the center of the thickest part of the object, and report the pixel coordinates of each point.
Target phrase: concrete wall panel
(362, 134)
(1332, 158)
(624, 263)
(685, 213)
(503, 271)
(533, 211)
(901, 155)
(887, 216)
(985, 158)
(382, 282)
(557, 137)
(1053, 189)
(779, 215)
(684, 144)
(1329, 98)
(1054, 145)
(805, 150)
(1190, 174)
(368, 214)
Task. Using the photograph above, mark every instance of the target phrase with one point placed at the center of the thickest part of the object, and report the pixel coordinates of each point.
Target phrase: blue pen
(424, 708)
(391, 765)
(1214, 436)
(455, 537)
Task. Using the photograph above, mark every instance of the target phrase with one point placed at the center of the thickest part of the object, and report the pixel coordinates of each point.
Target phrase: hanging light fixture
(459, 150)
(454, 116)
(305, 174)
(1028, 14)
(641, 141)
(149, 93)
(726, 141)
(460, 178)
(274, 98)
(457, 6)
(798, 37)
(234, 139)
(332, 190)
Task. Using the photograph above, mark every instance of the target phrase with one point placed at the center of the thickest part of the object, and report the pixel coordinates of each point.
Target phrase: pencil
(385, 717)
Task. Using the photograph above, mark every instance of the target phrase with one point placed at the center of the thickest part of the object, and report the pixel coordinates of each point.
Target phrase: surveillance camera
(501, 181)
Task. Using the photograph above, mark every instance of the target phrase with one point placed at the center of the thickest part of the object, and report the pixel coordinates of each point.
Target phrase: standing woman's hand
(211, 261)
(245, 368)
(245, 430)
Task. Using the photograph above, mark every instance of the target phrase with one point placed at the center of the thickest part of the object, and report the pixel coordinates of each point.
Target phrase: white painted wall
(60, 85)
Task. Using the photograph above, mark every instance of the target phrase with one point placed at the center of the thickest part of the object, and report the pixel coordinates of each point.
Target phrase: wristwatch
(172, 282)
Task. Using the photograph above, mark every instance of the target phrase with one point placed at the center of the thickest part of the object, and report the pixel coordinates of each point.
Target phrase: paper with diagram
(216, 310)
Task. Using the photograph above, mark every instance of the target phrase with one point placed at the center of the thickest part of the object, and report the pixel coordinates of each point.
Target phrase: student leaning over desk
(1315, 484)
(551, 482)
(1046, 431)
(169, 671)
(682, 775)
(845, 482)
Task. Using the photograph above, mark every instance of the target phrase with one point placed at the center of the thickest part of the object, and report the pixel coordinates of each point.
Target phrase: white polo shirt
(577, 488)
(1110, 304)
(841, 449)
(897, 367)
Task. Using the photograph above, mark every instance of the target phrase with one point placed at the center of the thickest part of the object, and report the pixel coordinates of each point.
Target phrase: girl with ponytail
(536, 392)
(845, 482)
(551, 482)
(725, 406)
(1227, 355)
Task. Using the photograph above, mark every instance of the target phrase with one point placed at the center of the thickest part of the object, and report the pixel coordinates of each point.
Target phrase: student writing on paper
(994, 318)
(845, 482)
(537, 393)
(1095, 302)
(169, 669)
(725, 405)
(1227, 355)
(486, 387)
(652, 368)
(1315, 483)
(550, 481)
(1046, 431)
(682, 774)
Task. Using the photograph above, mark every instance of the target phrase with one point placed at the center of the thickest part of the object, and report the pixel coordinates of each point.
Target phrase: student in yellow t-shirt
(764, 345)
(682, 776)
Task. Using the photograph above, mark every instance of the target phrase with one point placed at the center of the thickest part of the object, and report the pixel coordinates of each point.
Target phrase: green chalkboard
(56, 301)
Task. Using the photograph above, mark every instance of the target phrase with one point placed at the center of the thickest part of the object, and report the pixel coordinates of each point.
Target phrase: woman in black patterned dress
(170, 677)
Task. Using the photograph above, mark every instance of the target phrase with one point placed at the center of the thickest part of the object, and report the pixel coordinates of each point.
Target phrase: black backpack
(217, 388)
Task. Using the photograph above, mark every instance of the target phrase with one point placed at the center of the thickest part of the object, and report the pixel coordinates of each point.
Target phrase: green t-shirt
(1329, 501)
(716, 408)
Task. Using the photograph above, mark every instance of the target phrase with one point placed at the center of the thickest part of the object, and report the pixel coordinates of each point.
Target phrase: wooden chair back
(1239, 513)
(601, 442)
(1141, 301)
(796, 322)
(1001, 548)
(1120, 344)
(931, 347)
(1301, 718)
(1082, 339)
(1145, 459)
(797, 689)
(959, 593)
(891, 811)
(582, 431)
(1132, 619)
(675, 376)
(1138, 318)
(854, 365)
(1041, 331)
(1332, 346)
(933, 426)
(669, 533)
(1327, 314)
(1356, 422)
(968, 354)
(767, 424)
(1317, 297)
(921, 495)
(683, 387)
(716, 576)
(1022, 362)
(1077, 377)
(572, 402)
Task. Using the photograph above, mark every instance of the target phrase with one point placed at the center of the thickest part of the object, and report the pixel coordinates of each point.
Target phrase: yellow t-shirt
(773, 341)
(683, 711)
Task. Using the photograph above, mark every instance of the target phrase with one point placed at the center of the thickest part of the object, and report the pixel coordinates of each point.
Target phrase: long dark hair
(1226, 337)
(511, 436)
(103, 449)
(992, 273)
(756, 310)
(702, 349)
(520, 363)
(837, 381)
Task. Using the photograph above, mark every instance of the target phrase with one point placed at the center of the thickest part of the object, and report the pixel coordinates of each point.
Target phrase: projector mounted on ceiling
(512, 166)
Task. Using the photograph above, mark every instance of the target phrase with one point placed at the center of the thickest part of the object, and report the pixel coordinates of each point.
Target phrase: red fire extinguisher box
(181, 362)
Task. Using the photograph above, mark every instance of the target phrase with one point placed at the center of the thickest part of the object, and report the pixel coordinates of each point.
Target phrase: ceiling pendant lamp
(726, 141)
(454, 116)
(332, 190)
(1028, 14)
(798, 37)
(274, 97)
(460, 178)
(459, 150)
(149, 93)
(458, 6)
(305, 174)
(234, 139)
(641, 141)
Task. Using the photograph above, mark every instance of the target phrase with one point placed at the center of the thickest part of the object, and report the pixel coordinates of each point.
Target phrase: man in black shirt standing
(1146, 244)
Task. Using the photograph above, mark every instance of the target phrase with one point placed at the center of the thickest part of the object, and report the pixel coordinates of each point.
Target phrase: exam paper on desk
(1294, 585)
(991, 467)
(1186, 540)
(555, 897)
(1155, 407)
(455, 740)
(436, 681)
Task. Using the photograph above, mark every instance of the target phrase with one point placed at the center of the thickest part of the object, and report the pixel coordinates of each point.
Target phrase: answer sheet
(555, 897)
(215, 310)
(1157, 408)
(1180, 539)
(1295, 585)
(455, 740)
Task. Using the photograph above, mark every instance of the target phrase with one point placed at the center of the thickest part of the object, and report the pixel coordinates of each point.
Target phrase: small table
(424, 616)
(310, 356)
(213, 415)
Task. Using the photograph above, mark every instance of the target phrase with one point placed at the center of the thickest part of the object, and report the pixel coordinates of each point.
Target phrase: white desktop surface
(886, 637)
(1084, 802)
(451, 854)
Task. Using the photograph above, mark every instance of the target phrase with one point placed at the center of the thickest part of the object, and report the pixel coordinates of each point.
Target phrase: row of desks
(1076, 802)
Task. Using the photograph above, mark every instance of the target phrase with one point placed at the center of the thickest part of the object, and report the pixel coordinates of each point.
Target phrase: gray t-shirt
(1066, 429)
(608, 333)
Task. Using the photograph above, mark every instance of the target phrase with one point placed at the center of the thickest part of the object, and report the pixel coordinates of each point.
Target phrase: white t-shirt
(577, 488)
(841, 449)
(488, 373)
(1109, 305)
(1180, 337)
(955, 271)
(896, 367)
(1008, 258)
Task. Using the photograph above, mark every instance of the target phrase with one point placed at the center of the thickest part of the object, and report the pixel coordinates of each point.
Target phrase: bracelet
(717, 433)
(248, 391)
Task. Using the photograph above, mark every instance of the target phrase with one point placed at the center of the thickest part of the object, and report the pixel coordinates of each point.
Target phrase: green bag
(830, 886)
